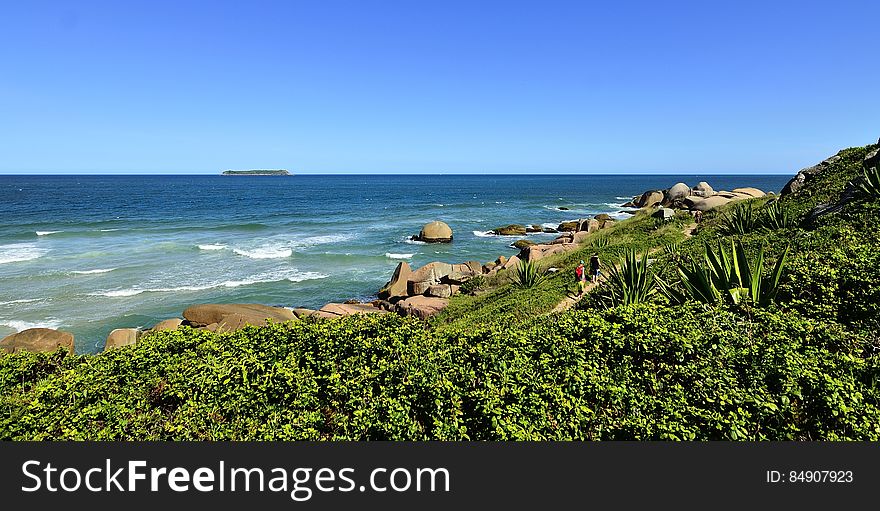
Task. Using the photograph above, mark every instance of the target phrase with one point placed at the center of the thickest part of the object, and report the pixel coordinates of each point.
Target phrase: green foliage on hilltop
(499, 366)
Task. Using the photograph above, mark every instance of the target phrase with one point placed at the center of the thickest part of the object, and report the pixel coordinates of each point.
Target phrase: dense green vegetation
(803, 364)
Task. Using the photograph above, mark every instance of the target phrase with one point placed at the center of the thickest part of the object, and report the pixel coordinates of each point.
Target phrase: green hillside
(641, 359)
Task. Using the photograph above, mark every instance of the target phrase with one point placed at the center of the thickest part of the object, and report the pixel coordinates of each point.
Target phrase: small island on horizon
(257, 172)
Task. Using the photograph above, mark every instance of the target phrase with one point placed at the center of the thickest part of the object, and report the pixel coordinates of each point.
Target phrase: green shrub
(473, 284)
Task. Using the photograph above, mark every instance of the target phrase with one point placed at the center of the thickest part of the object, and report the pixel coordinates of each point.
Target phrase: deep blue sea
(88, 254)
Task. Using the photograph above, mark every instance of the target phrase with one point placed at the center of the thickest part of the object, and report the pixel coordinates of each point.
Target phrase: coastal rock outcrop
(703, 189)
(122, 337)
(426, 276)
(37, 340)
(676, 194)
(205, 315)
(435, 232)
(347, 309)
(749, 191)
(421, 307)
(709, 203)
(397, 286)
(167, 324)
(649, 199)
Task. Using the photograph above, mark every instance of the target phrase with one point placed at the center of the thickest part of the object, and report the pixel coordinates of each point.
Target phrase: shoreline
(423, 302)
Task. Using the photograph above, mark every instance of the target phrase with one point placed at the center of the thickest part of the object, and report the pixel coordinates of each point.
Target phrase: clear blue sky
(444, 86)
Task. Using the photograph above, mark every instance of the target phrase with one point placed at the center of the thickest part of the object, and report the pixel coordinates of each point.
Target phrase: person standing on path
(594, 268)
(580, 274)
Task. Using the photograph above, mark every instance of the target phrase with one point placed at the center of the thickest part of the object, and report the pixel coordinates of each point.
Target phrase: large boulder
(534, 228)
(397, 286)
(347, 309)
(122, 337)
(421, 306)
(709, 203)
(649, 199)
(41, 340)
(426, 276)
(251, 313)
(676, 194)
(440, 290)
(510, 230)
(703, 190)
(538, 252)
(580, 236)
(751, 192)
(167, 324)
(513, 262)
(435, 232)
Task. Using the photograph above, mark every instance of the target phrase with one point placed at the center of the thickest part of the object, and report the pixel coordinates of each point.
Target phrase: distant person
(594, 268)
(698, 216)
(580, 274)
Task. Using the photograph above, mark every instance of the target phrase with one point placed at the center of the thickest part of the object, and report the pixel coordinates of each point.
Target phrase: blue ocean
(88, 254)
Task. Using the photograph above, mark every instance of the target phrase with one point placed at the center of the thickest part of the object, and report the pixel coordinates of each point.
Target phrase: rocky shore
(420, 292)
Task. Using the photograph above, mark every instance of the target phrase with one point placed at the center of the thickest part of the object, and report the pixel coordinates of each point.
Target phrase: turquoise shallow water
(88, 254)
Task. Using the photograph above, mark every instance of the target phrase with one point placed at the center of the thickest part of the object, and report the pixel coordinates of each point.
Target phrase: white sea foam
(390, 255)
(92, 272)
(212, 247)
(24, 300)
(46, 233)
(484, 234)
(624, 198)
(413, 242)
(266, 252)
(323, 239)
(291, 275)
(549, 225)
(107, 230)
(24, 325)
(18, 252)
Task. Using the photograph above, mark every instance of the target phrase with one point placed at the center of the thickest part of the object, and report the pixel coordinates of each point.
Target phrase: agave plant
(776, 217)
(526, 275)
(600, 242)
(729, 277)
(869, 182)
(740, 220)
(631, 281)
(671, 248)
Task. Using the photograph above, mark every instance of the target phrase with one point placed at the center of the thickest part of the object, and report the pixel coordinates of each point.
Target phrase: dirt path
(571, 299)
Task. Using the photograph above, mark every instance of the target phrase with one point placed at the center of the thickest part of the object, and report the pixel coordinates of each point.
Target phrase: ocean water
(88, 254)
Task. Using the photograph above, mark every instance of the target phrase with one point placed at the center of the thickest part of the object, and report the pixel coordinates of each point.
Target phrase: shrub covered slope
(498, 367)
